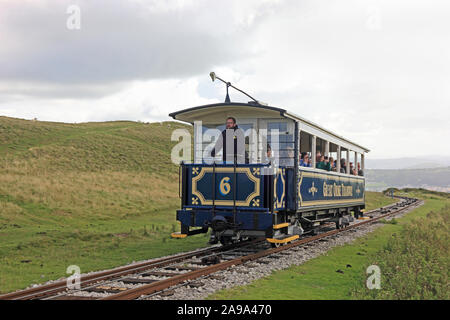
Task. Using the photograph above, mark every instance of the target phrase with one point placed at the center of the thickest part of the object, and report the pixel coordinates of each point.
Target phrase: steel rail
(85, 280)
(167, 283)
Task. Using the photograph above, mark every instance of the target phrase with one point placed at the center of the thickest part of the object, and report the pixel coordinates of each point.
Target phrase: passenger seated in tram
(269, 155)
(233, 154)
(287, 157)
(318, 157)
(331, 164)
(320, 161)
(352, 169)
(360, 172)
(269, 151)
(343, 166)
(304, 161)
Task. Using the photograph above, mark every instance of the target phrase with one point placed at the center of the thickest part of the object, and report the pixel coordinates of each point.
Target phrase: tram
(270, 193)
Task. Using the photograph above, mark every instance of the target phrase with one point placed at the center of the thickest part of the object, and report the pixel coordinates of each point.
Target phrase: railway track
(55, 288)
(155, 277)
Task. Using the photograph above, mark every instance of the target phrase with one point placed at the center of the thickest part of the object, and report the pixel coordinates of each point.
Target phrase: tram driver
(232, 135)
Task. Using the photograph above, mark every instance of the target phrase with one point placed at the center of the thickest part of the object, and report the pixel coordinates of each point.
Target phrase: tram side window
(285, 142)
(305, 159)
(322, 158)
(332, 157)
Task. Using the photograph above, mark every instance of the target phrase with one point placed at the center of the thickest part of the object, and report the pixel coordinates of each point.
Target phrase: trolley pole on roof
(228, 84)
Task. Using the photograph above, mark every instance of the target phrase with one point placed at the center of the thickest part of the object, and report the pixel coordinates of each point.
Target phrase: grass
(415, 261)
(377, 200)
(405, 272)
(96, 195)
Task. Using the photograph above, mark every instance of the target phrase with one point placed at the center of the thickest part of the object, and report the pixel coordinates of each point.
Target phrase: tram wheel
(276, 245)
(225, 241)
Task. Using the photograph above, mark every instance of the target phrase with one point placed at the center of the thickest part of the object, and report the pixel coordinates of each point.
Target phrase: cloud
(32, 90)
(121, 41)
(149, 100)
(376, 72)
(385, 88)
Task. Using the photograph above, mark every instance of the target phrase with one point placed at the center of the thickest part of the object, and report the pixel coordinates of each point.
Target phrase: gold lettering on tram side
(327, 190)
(347, 191)
(336, 190)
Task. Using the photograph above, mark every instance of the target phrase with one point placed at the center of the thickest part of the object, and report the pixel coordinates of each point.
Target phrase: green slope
(95, 195)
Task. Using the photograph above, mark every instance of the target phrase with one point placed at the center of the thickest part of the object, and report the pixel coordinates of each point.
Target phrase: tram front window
(210, 135)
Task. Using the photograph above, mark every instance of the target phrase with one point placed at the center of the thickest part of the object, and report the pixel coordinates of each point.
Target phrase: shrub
(414, 263)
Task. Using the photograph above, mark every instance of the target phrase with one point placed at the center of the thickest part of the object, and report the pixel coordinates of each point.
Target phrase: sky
(375, 72)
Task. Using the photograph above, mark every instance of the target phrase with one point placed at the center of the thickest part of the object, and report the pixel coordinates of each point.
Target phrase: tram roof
(201, 112)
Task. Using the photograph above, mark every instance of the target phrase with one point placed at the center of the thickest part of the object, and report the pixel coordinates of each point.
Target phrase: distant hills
(430, 172)
(437, 179)
(433, 161)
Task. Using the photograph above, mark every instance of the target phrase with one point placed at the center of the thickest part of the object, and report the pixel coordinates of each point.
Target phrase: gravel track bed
(130, 264)
(243, 275)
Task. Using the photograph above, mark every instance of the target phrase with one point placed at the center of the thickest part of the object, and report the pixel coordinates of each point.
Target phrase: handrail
(214, 190)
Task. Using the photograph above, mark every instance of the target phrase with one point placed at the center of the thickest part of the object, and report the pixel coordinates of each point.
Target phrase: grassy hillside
(96, 195)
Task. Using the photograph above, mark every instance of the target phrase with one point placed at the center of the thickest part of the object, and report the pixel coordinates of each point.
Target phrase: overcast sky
(376, 72)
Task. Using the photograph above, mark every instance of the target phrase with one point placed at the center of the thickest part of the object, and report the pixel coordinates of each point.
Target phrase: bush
(414, 264)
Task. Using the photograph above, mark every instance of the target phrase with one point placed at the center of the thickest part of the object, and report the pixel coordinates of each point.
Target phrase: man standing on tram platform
(231, 136)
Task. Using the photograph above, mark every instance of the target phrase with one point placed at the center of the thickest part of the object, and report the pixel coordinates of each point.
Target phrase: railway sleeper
(107, 289)
(137, 280)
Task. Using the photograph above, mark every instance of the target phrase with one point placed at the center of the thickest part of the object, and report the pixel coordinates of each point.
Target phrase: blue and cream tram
(257, 198)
